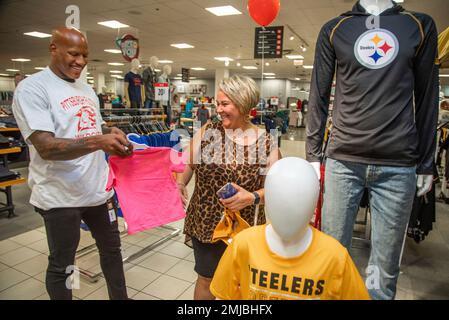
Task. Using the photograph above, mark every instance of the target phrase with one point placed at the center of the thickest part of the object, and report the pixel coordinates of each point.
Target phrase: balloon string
(263, 63)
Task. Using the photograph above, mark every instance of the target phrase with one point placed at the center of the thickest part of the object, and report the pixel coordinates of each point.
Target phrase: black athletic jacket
(386, 97)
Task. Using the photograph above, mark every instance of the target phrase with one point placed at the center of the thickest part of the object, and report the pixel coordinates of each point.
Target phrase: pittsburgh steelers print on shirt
(376, 48)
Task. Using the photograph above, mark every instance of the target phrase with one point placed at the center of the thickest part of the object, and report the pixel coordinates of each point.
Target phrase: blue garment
(134, 87)
(391, 191)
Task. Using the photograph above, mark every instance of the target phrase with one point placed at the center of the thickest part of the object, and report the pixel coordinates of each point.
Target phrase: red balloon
(264, 11)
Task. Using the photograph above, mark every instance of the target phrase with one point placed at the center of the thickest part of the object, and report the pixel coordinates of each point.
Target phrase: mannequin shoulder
(329, 26)
(249, 236)
(426, 21)
(329, 245)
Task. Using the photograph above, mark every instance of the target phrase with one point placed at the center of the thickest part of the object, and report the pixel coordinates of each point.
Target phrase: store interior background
(167, 271)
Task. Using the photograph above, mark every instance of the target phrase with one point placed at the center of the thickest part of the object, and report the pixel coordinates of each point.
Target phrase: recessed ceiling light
(292, 38)
(114, 24)
(267, 64)
(294, 56)
(116, 64)
(20, 60)
(113, 50)
(250, 67)
(238, 64)
(115, 71)
(198, 69)
(269, 74)
(4, 75)
(182, 46)
(37, 34)
(223, 59)
(165, 61)
(12, 70)
(39, 68)
(307, 67)
(223, 11)
(297, 79)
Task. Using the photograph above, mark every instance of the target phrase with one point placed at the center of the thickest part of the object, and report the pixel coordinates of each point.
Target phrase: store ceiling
(159, 23)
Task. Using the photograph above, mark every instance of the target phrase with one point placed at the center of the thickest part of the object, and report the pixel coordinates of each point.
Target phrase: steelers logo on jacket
(376, 48)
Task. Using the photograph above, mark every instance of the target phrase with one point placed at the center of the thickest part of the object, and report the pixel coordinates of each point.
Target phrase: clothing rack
(140, 125)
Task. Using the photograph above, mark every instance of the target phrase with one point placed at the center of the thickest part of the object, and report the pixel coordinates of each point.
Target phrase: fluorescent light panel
(114, 24)
(307, 67)
(444, 75)
(270, 77)
(249, 67)
(269, 74)
(37, 34)
(182, 46)
(115, 71)
(113, 50)
(116, 64)
(12, 70)
(223, 11)
(165, 61)
(198, 69)
(4, 75)
(294, 56)
(39, 68)
(20, 60)
(223, 59)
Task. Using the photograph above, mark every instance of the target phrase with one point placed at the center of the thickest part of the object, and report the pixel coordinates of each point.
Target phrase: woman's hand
(184, 194)
(240, 200)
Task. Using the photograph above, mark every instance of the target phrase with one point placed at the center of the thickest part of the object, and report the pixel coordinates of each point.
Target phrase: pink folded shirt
(146, 188)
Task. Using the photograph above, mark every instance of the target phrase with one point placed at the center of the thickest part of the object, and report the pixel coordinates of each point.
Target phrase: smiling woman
(230, 151)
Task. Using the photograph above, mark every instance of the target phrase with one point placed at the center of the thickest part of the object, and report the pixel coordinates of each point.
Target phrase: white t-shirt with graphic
(45, 102)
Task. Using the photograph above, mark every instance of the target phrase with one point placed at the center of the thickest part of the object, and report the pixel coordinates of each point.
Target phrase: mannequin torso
(133, 85)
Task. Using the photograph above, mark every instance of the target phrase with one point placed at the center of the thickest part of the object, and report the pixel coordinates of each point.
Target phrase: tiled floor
(167, 271)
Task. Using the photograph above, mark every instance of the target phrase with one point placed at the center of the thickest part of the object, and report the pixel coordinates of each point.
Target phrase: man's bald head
(69, 52)
(67, 36)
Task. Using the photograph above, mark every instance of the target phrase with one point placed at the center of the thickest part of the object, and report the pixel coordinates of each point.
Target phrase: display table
(5, 186)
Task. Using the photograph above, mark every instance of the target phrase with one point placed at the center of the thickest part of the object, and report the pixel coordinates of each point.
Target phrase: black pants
(63, 235)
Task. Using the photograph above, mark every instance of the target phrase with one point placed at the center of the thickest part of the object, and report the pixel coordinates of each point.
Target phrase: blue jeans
(148, 104)
(391, 192)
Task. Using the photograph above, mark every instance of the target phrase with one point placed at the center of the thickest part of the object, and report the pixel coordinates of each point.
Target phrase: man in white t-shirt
(59, 118)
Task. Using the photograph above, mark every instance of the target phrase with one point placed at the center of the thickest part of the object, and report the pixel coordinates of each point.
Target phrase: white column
(83, 76)
(220, 74)
(99, 82)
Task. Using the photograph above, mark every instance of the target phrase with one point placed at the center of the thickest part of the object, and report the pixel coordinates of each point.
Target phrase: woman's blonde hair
(242, 91)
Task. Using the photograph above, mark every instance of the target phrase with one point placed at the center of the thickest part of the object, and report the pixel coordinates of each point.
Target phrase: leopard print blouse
(242, 165)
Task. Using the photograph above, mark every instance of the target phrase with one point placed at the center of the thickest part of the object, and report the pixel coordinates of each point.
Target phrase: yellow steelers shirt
(249, 270)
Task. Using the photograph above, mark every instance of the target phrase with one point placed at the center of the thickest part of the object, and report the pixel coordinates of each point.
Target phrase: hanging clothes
(146, 188)
(423, 214)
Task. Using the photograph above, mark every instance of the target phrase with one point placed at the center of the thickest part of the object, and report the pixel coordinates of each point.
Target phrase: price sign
(161, 91)
(185, 74)
(269, 42)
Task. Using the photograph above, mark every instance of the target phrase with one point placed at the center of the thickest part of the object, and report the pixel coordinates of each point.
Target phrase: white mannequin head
(154, 62)
(376, 7)
(166, 70)
(135, 65)
(291, 194)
